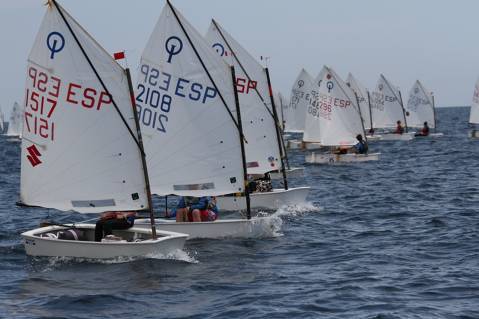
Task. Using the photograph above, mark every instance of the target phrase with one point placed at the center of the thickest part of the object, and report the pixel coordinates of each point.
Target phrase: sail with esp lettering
(336, 111)
(79, 146)
(262, 150)
(186, 105)
(386, 105)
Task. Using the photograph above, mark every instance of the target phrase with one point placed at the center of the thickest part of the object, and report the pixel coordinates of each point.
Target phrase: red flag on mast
(119, 55)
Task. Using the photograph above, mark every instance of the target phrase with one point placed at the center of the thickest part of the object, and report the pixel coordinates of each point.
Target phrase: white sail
(16, 121)
(420, 108)
(2, 119)
(336, 111)
(77, 152)
(191, 139)
(362, 96)
(295, 113)
(474, 115)
(312, 132)
(386, 105)
(262, 151)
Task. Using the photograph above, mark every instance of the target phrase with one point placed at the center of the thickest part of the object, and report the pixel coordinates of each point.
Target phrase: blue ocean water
(393, 239)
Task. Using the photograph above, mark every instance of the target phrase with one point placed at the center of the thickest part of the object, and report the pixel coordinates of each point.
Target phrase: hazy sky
(434, 41)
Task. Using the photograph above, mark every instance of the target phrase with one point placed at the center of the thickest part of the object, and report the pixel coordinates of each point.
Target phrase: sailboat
(82, 149)
(2, 120)
(295, 113)
(191, 124)
(474, 113)
(335, 121)
(420, 108)
(290, 171)
(387, 108)
(310, 140)
(364, 100)
(264, 150)
(16, 121)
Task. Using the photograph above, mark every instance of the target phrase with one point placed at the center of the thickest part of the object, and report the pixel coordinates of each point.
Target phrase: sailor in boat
(424, 131)
(110, 221)
(196, 209)
(361, 147)
(259, 183)
(399, 128)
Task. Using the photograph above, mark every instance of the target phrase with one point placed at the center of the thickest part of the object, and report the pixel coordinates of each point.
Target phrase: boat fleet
(330, 113)
(201, 119)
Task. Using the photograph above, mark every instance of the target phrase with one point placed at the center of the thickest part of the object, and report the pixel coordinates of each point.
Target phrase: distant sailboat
(474, 113)
(387, 108)
(295, 113)
(338, 121)
(15, 124)
(420, 108)
(82, 148)
(2, 121)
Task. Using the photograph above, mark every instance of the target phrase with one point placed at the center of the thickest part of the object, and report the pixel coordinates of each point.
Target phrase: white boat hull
(397, 137)
(257, 227)
(431, 135)
(292, 172)
(315, 158)
(141, 243)
(312, 146)
(267, 200)
(372, 138)
(474, 134)
(294, 144)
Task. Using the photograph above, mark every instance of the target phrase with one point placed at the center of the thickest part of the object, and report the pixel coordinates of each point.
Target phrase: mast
(434, 111)
(360, 115)
(399, 99)
(403, 110)
(132, 97)
(243, 153)
(96, 73)
(278, 135)
(370, 112)
(142, 155)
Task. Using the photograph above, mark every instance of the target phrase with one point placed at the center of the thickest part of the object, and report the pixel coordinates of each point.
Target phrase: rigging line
(97, 75)
(243, 69)
(205, 69)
